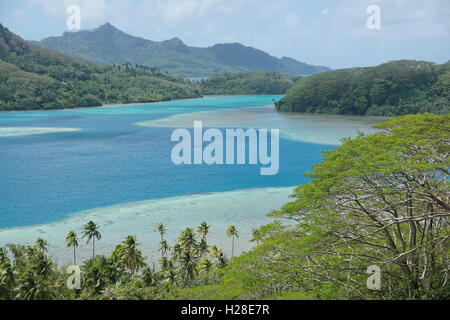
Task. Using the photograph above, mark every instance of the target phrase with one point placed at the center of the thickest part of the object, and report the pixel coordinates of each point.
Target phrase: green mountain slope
(109, 45)
(394, 88)
(32, 77)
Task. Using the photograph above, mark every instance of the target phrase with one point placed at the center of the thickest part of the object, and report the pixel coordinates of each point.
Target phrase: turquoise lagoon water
(46, 177)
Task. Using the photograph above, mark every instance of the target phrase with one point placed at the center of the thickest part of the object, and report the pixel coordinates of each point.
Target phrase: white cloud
(91, 10)
(176, 11)
(19, 14)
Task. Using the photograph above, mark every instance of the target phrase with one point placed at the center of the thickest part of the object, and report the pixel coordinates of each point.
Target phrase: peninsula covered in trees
(248, 83)
(394, 88)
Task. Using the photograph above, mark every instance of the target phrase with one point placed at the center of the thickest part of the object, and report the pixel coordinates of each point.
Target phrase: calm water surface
(43, 178)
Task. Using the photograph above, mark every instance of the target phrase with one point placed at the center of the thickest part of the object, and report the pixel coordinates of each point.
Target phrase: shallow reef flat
(246, 209)
(23, 131)
(312, 128)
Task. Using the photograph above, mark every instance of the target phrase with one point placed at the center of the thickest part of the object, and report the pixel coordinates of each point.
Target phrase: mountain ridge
(109, 45)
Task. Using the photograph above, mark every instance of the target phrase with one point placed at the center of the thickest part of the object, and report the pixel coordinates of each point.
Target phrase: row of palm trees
(32, 275)
(91, 233)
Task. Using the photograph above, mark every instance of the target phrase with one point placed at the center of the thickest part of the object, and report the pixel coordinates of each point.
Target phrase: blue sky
(323, 32)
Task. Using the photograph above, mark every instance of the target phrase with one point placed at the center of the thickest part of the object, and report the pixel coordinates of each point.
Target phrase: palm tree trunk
(74, 256)
(232, 248)
(93, 247)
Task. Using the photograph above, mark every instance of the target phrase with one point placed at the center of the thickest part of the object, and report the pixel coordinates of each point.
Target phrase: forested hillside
(394, 88)
(35, 78)
(248, 83)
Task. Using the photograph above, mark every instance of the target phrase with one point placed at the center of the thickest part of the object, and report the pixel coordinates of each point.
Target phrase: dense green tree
(377, 200)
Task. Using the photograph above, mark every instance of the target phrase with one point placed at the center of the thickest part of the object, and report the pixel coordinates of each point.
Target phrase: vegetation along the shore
(250, 83)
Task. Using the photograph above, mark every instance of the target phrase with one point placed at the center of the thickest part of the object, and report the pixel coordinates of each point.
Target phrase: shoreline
(107, 105)
(247, 209)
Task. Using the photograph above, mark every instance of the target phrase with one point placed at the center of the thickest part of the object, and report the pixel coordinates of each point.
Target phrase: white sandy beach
(246, 209)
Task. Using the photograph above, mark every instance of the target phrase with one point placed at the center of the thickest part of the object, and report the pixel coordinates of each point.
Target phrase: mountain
(109, 45)
(394, 88)
(32, 77)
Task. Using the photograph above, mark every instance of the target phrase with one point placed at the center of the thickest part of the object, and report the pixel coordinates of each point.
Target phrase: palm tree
(218, 256)
(232, 232)
(6, 276)
(203, 230)
(164, 263)
(33, 287)
(42, 265)
(202, 247)
(164, 248)
(3, 256)
(206, 265)
(30, 252)
(256, 235)
(72, 241)
(176, 251)
(131, 255)
(161, 229)
(188, 266)
(187, 239)
(41, 245)
(91, 233)
(214, 251)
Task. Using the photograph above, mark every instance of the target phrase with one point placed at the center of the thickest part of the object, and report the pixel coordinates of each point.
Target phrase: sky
(333, 33)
